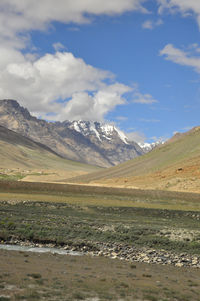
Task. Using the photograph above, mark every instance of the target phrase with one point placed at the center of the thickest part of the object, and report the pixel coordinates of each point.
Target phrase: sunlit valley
(99, 150)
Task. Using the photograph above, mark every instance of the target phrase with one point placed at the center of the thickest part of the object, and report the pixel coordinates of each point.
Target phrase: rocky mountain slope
(83, 141)
(174, 165)
(21, 155)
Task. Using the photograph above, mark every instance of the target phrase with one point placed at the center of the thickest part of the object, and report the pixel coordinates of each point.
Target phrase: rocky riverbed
(122, 252)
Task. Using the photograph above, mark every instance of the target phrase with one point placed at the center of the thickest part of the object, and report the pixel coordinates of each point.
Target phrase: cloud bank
(17, 18)
(59, 83)
(60, 86)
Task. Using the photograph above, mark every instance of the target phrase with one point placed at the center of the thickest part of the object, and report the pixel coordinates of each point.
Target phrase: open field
(67, 169)
(99, 196)
(26, 276)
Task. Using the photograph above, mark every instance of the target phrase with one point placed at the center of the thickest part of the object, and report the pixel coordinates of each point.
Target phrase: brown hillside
(172, 166)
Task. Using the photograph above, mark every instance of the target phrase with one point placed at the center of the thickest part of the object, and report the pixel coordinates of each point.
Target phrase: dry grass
(106, 201)
(103, 196)
(85, 278)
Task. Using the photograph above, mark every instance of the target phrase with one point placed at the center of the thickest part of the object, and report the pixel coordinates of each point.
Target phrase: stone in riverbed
(179, 264)
(194, 261)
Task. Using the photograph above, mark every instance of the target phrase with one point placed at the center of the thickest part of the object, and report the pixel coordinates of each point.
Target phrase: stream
(39, 250)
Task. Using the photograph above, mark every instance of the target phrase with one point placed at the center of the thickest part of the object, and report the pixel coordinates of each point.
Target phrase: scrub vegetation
(75, 215)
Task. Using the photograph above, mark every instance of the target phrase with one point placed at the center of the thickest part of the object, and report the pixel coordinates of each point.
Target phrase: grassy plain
(99, 196)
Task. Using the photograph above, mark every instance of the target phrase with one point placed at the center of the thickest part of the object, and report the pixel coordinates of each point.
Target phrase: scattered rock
(179, 264)
(126, 252)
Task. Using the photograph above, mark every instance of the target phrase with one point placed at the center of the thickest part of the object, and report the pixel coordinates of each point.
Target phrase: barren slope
(173, 166)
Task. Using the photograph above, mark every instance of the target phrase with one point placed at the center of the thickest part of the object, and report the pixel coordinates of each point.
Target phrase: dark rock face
(84, 141)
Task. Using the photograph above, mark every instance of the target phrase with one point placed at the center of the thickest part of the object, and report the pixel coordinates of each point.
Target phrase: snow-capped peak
(122, 136)
(93, 129)
(147, 147)
(101, 131)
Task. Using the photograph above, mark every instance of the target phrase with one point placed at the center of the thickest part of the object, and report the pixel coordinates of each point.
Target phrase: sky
(132, 63)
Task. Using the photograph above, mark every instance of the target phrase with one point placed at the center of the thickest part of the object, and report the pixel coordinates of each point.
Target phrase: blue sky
(134, 63)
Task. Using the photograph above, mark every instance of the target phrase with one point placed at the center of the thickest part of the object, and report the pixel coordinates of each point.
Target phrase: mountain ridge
(22, 143)
(99, 147)
(23, 158)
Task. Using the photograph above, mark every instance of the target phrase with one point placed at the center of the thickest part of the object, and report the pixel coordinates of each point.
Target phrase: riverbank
(161, 235)
(156, 236)
(113, 251)
(39, 276)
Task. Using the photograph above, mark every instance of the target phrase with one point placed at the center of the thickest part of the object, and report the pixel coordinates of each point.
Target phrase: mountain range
(58, 152)
(83, 141)
(21, 156)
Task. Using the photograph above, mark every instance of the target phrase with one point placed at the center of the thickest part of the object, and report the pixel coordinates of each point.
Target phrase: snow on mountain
(122, 136)
(109, 132)
(147, 147)
(83, 141)
(100, 130)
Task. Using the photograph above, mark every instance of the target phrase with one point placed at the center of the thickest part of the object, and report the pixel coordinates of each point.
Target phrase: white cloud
(185, 7)
(39, 83)
(141, 98)
(194, 46)
(149, 24)
(94, 106)
(181, 57)
(58, 46)
(25, 15)
(57, 86)
(138, 137)
(159, 139)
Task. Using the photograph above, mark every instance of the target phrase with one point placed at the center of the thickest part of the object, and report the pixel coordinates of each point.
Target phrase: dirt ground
(51, 176)
(33, 276)
(184, 180)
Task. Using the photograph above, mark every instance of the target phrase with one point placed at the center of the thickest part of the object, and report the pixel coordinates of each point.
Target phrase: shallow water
(39, 250)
